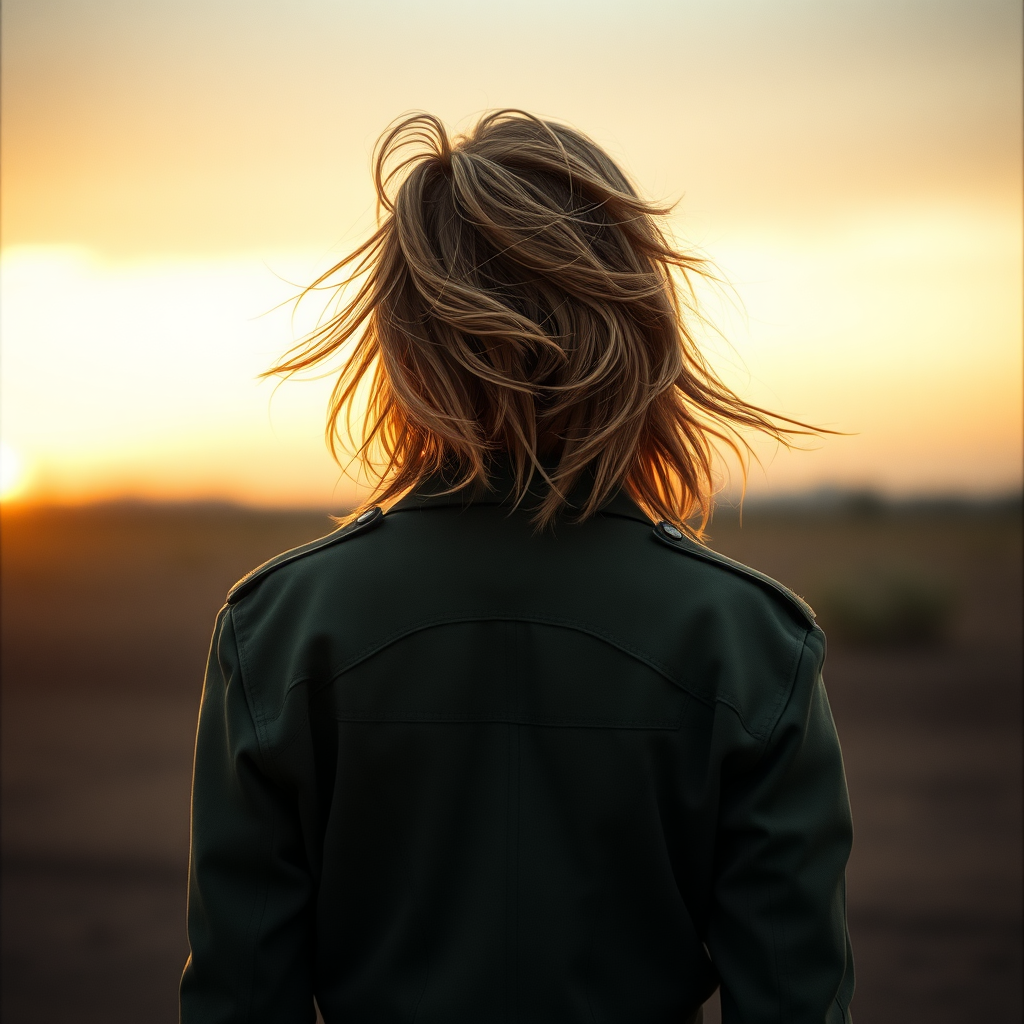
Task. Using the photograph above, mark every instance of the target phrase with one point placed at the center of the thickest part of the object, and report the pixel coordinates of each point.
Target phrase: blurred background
(172, 171)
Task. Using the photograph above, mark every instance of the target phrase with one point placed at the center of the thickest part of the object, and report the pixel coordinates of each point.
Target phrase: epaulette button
(370, 513)
(674, 533)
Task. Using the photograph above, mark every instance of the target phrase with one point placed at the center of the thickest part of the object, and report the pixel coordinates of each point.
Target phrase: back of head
(520, 301)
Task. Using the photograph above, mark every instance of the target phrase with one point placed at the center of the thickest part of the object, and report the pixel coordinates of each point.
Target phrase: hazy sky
(854, 167)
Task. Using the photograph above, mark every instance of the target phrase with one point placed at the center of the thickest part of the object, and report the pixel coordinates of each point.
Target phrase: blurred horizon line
(818, 498)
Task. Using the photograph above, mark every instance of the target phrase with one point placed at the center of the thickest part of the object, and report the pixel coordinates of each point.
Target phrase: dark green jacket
(451, 770)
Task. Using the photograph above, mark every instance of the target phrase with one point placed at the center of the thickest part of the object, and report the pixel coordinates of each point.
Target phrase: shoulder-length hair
(520, 301)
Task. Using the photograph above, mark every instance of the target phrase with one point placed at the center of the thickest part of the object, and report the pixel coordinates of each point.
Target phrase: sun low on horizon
(14, 477)
(173, 174)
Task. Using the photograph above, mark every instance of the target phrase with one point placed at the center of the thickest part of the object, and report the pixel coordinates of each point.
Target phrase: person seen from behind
(513, 744)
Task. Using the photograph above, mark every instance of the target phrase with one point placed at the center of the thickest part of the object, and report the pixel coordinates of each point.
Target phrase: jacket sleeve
(778, 931)
(250, 917)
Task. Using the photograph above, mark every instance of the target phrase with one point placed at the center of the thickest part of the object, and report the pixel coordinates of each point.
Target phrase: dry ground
(106, 616)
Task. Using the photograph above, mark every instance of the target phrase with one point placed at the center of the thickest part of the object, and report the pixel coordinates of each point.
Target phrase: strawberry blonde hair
(519, 300)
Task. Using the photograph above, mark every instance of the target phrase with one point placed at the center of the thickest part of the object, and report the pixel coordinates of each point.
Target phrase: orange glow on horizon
(853, 169)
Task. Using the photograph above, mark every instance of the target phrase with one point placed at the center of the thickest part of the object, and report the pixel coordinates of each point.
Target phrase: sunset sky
(171, 170)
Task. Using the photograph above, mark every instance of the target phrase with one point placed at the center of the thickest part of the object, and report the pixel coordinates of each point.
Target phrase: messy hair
(519, 301)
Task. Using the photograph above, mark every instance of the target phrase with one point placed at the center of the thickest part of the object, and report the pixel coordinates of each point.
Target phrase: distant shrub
(886, 609)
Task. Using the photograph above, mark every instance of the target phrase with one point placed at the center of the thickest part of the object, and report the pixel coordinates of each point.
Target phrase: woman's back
(451, 768)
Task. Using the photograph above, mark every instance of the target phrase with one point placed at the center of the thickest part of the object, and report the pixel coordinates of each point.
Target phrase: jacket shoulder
(252, 579)
(674, 538)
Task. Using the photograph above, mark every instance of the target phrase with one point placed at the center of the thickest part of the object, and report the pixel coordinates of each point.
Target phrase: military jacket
(450, 770)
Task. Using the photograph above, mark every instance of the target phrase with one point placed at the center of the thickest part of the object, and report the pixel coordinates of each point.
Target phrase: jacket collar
(431, 493)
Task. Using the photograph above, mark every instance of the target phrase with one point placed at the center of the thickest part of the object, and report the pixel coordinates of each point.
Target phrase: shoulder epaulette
(675, 538)
(367, 521)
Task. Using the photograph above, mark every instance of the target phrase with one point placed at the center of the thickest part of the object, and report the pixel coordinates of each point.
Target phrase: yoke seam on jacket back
(643, 658)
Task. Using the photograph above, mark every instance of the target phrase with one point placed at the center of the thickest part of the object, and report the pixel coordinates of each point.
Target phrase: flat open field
(106, 619)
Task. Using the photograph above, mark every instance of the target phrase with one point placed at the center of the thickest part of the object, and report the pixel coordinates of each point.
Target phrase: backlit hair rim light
(520, 300)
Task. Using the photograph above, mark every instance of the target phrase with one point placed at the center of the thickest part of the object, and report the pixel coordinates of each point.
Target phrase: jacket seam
(253, 935)
(781, 702)
(391, 638)
(554, 723)
(784, 694)
(780, 705)
(543, 620)
(842, 1009)
(252, 697)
